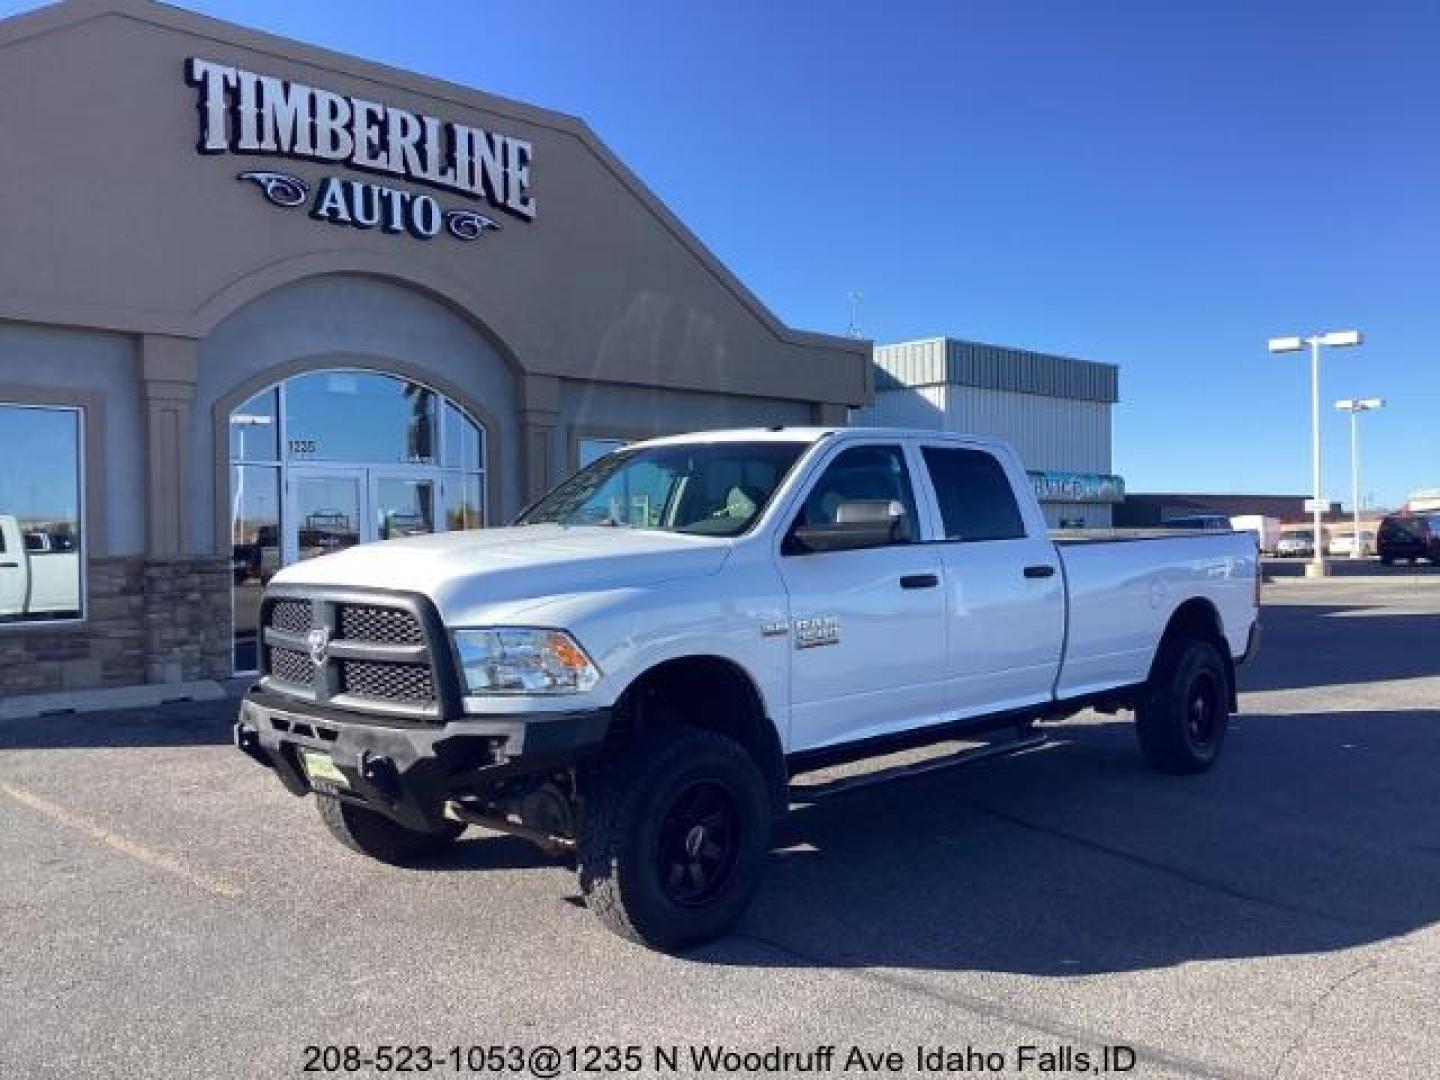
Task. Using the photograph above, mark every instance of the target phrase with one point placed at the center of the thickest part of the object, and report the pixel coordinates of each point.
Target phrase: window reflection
(463, 446)
(254, 551)
(467, 506)
(40, 537)
(359, 416)
(255, 429)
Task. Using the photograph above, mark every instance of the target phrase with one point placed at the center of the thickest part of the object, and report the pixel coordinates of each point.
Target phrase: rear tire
(1184, 711)
(373, 834)
(674, 832)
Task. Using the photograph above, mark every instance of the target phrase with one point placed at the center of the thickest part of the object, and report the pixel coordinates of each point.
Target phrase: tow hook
(247, 741)
(381, 774)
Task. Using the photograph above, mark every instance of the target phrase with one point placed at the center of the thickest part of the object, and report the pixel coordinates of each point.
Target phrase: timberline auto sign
(245, 113)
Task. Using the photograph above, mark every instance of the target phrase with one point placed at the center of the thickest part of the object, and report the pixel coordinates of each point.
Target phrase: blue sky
(1159, 185)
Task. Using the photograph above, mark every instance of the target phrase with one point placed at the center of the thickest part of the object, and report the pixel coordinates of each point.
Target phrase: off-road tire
(1184, 710)
(632, 800)
(377, 836)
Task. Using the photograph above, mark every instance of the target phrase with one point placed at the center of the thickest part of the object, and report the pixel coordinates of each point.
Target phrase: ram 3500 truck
(637, 669)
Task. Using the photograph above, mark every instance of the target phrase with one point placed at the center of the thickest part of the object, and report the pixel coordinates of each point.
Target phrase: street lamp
(1355, 406)
(1335, 339)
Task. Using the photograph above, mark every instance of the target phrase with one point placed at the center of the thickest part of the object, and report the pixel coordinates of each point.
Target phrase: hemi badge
(774, 628)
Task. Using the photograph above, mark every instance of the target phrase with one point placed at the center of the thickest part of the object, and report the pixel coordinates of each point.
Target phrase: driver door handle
(1043, 570)
(919, 581)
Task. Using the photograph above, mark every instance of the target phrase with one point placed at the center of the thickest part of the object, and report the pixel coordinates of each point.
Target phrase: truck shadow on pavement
(1316, 833)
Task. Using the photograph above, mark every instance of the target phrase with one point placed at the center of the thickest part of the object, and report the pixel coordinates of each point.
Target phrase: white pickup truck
(39, 574)
(637, 670)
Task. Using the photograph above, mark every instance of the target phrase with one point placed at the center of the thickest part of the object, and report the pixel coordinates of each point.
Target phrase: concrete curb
(33, 706)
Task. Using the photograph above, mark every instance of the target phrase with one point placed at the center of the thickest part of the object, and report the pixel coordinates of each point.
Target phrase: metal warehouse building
(260, 301)
(1054, 410)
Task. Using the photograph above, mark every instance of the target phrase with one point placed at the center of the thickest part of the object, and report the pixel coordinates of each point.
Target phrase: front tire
(1184, 712)
(373, 834)
(673, 837)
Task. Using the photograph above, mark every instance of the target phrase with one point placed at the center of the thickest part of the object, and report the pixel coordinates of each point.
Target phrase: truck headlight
(521, 660)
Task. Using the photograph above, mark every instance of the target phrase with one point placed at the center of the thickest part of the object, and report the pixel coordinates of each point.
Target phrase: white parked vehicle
(1299, 543)
(1342, 543)
(39, 574)
(640, 667)
(1266, 529)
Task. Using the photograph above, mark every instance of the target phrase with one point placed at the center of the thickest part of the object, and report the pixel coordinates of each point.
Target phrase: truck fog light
(523, 660)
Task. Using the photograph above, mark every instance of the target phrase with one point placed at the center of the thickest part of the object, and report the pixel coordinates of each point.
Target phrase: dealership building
(1054, 410)
(259, 301)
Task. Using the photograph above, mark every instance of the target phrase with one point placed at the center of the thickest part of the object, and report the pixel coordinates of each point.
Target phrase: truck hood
(532, 562)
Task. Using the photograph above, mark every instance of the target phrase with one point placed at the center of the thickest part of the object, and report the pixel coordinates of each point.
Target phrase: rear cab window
(975, 497)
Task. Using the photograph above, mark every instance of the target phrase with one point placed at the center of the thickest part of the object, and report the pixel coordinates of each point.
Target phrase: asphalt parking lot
(169, 910)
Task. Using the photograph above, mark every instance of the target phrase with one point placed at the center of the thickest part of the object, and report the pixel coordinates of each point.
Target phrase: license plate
(320, 769)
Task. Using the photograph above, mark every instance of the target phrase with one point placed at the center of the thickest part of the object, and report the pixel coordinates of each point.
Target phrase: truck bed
(1122, 590)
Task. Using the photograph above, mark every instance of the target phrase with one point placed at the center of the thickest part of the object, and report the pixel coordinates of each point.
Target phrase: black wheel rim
(1202, 710)
(699, 842)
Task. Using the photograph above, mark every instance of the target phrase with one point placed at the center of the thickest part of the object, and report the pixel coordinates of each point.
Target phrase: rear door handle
(9, 566)
(919, 581)
(1043, 570)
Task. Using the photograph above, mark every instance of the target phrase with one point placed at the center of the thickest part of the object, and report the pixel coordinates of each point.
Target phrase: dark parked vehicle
(1409, 536)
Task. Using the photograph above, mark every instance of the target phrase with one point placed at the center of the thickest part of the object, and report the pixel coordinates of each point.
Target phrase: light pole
(1355, 406)
(1334, 339)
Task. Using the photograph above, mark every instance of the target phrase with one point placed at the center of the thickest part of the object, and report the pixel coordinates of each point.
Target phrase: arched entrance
(337, 457)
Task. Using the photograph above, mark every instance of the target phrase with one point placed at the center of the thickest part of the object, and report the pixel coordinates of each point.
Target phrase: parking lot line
(118, 843)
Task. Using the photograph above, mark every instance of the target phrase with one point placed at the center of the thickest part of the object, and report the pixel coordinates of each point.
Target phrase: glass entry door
(332, 509)
(327, 512)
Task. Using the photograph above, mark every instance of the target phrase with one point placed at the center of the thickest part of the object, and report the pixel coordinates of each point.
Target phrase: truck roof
(813, 435)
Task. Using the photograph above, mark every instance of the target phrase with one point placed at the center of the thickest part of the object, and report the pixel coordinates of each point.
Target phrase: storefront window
(255, 429)
(359, 416)
(254, 551)
(330, 459)
(41, 542)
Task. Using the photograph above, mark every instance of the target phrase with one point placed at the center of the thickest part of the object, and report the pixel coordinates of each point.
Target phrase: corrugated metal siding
(1047, 433)
(921, 407)
(994, 367)
(910, 363)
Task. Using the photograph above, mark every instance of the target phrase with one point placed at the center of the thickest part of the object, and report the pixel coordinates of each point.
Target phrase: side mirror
(859, 523)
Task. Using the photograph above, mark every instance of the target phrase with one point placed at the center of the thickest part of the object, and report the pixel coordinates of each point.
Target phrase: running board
(811, 793)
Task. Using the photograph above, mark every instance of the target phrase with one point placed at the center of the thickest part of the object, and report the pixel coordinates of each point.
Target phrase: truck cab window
(976, 501)
(861, 474)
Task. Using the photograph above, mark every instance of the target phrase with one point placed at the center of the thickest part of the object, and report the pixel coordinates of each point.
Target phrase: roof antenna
(856, 298)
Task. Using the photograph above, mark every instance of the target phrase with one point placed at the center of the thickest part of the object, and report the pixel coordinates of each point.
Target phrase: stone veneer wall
(145, 621)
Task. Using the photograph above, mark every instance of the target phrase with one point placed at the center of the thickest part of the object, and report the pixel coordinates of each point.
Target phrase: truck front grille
(377, 652)
(292, 667)
(388, 682)
(387, 626)
(291, 616)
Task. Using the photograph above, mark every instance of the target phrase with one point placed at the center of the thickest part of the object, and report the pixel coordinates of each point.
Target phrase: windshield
(708, 489)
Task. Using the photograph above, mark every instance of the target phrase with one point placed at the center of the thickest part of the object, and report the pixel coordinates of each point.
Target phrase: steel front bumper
(407, 771)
